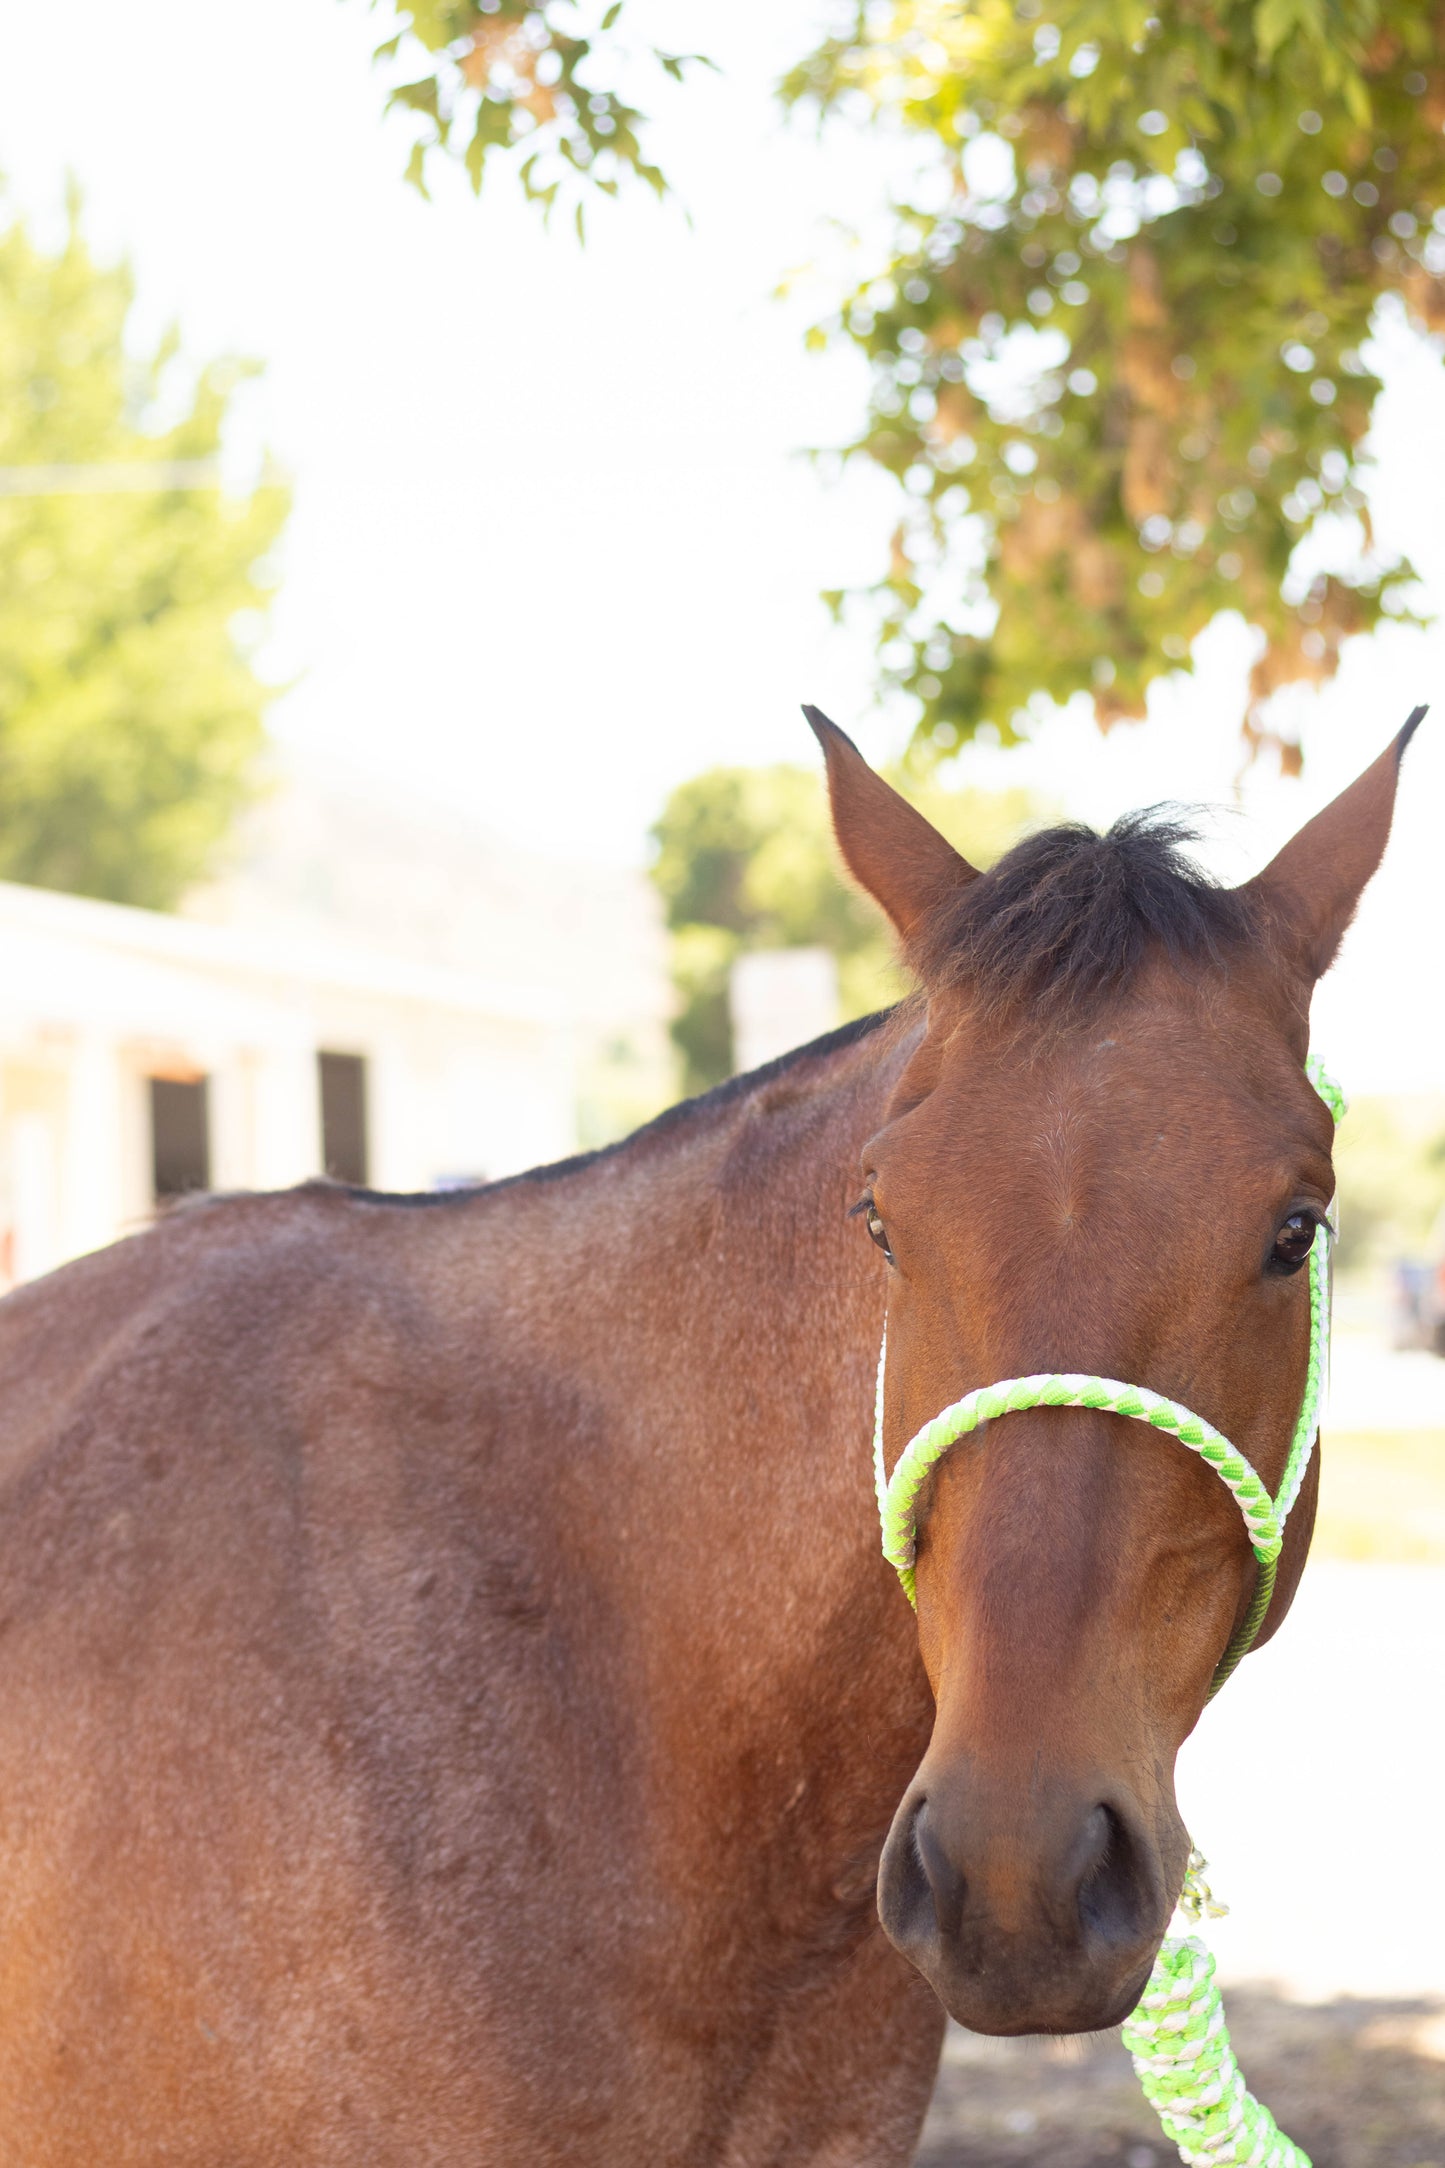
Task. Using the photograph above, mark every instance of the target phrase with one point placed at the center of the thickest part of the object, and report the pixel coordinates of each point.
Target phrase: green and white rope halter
(1177, 2035)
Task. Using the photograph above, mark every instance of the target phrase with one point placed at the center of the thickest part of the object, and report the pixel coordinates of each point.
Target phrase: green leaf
(416, 170)
(422, 96)
(1357, 98)
(1277, 20)
(475, 159)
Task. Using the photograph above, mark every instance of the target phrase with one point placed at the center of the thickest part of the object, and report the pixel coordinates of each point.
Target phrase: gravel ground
(1358, 2084)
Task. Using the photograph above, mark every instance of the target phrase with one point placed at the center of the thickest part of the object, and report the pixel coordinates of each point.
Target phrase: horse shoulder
(307, 1712)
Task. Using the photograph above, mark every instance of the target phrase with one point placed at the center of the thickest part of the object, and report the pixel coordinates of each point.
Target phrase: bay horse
(454, 1709)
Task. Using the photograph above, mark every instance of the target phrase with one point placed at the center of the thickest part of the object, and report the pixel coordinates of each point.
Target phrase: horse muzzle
(1033, 1916)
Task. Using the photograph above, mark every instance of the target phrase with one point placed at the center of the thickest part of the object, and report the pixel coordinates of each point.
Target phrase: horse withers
(454, 1707)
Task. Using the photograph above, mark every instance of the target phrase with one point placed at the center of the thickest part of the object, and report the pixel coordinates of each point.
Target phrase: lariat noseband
(1264, 1516)
(1177, 2035)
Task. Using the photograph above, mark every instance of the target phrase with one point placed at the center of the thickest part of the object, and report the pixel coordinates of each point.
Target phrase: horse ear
(889, 848)
(1311, 890)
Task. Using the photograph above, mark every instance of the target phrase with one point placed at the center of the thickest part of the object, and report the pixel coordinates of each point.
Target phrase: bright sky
(554, 547)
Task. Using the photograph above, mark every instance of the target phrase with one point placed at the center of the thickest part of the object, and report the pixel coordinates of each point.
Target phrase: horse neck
(692, 1328)
(753, 1350)
(777, 1608)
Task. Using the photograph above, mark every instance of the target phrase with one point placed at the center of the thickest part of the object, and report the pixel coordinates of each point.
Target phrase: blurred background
(440, 448)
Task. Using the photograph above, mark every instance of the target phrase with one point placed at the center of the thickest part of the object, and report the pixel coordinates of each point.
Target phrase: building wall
(465, 1079)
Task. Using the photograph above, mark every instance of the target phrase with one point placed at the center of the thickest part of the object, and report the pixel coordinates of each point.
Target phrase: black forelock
(1068, 916)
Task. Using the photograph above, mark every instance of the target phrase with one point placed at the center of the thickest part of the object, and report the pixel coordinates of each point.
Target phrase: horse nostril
(1116, 1889)
(945, 1883)
(920, 1893)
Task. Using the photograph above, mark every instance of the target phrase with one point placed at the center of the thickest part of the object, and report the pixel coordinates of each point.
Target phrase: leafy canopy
(1115, 343)
(1115, 353)
(129, 714)
(745, 859)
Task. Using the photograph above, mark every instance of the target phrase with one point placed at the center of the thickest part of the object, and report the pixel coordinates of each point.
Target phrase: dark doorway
(180, 1137)
(343, 1117)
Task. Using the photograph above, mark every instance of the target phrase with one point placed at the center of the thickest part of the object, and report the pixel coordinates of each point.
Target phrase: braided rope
(1067, 1389)
(1180, 2046)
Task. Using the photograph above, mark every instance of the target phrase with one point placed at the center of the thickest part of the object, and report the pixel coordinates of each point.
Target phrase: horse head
(1103, 1155)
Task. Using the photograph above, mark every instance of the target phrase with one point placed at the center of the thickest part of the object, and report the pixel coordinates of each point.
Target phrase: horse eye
(874, 1225)
(1294, 1242)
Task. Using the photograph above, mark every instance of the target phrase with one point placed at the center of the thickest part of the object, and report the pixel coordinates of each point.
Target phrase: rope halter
(1264, 1516)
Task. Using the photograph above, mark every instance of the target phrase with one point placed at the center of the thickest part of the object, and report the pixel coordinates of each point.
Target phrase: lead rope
(1180, 2047)
(1177, 2035)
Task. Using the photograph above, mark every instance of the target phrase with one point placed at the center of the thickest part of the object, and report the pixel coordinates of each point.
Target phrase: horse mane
(681, 1115)
(1068, 916)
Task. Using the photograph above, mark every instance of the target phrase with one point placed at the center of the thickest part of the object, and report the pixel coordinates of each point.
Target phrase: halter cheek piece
(1264, 1517)
(1177, 2035)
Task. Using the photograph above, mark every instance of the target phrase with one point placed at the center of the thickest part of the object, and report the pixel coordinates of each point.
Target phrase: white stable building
(479, 1015)
(142, 1056)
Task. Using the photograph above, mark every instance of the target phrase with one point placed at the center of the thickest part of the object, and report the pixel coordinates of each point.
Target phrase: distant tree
(130, 716)
(745, 859)
(1115, 341)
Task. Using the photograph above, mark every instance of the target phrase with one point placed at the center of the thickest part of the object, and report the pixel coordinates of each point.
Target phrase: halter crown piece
(1177, 2035)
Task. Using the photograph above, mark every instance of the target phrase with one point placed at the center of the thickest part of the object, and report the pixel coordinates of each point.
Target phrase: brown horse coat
(413, 1621)
(453, 1704)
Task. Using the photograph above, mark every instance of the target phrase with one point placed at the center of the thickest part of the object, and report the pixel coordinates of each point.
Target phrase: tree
(129, 714)
(1116, 350)
(1115, 344)
(745, 860)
